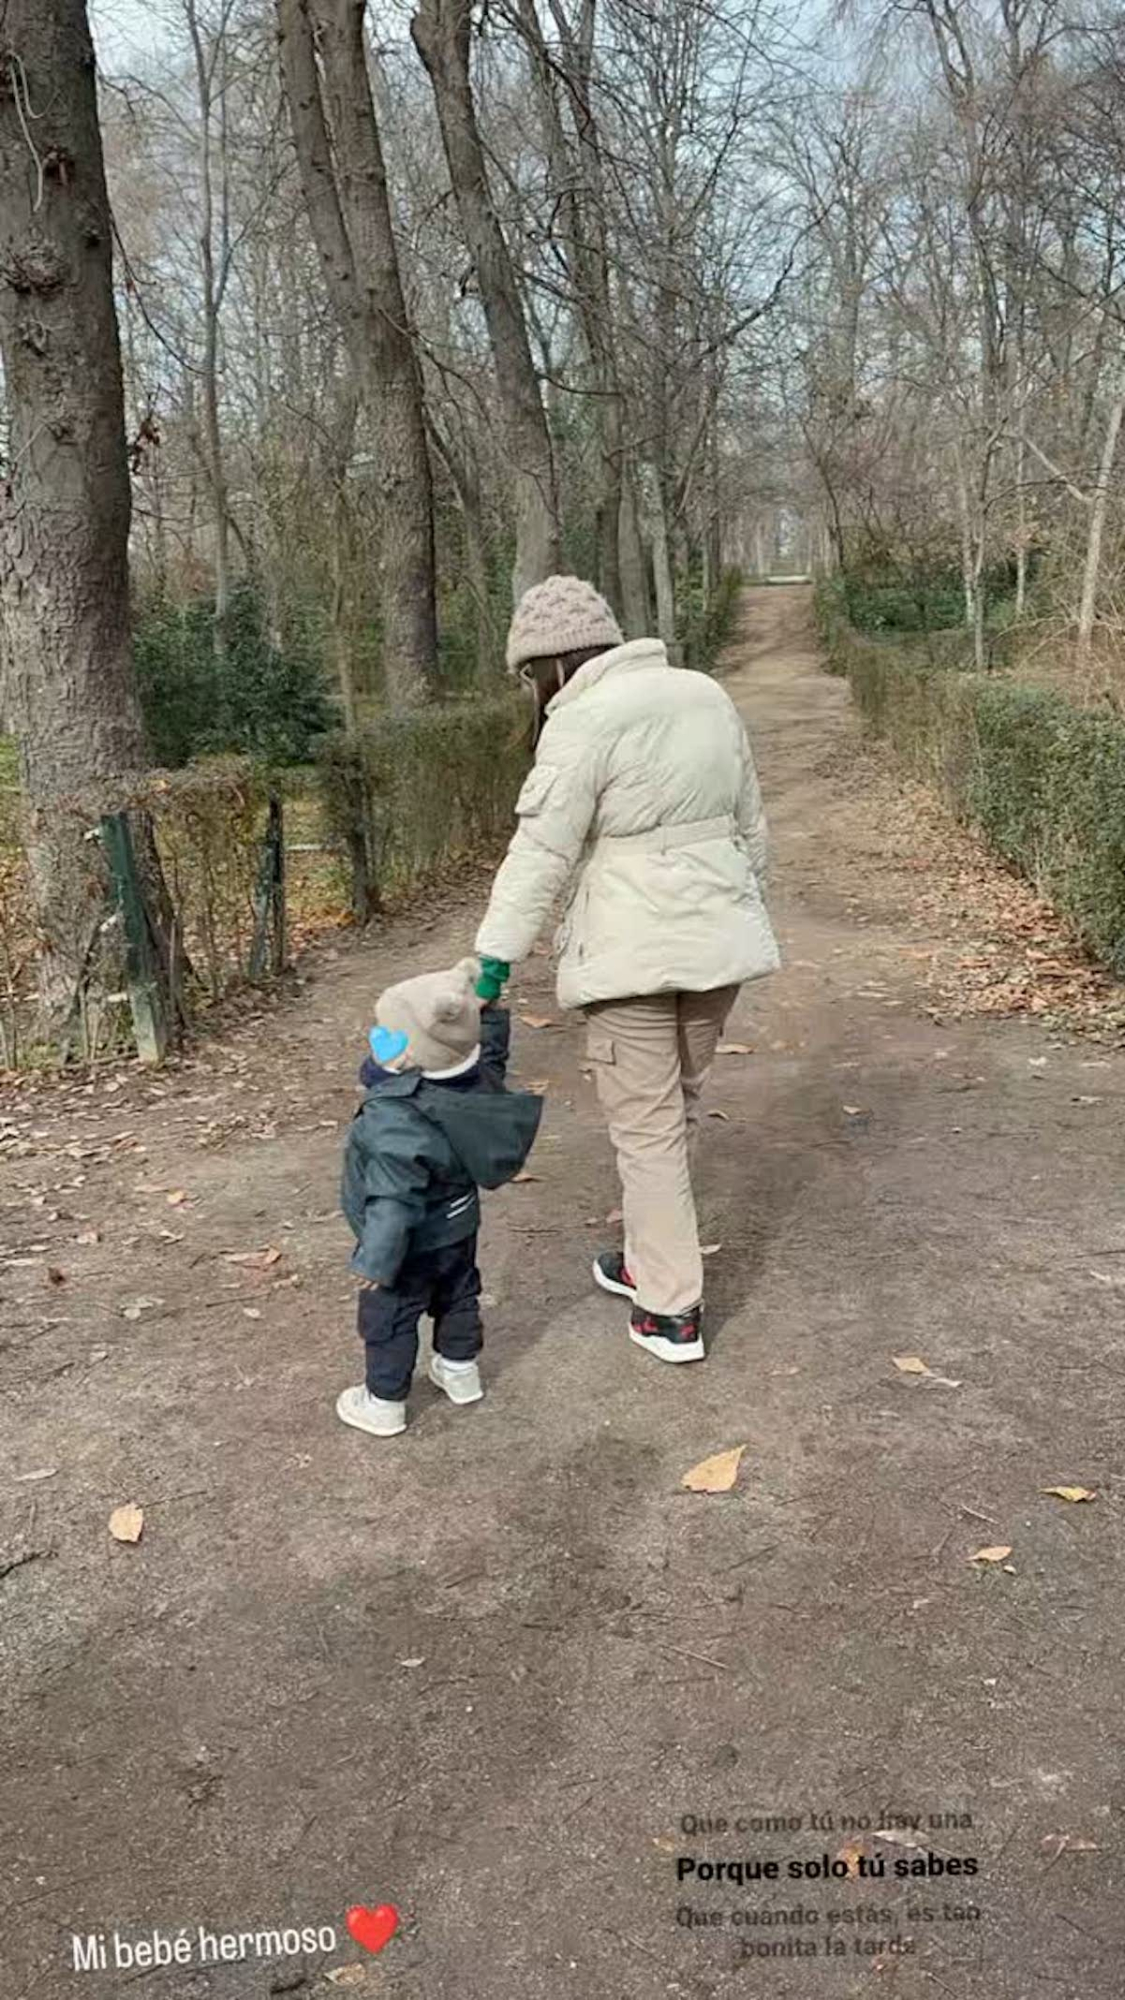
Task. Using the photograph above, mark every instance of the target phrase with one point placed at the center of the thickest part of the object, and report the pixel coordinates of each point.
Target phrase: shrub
(254, 701)
(1042, 780)
(419, 789)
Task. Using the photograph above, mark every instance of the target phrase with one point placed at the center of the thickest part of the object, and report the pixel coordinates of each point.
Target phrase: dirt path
(484, 1672)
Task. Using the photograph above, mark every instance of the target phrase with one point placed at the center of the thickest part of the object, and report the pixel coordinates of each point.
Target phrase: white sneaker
(460, 1379)
(366, 1412)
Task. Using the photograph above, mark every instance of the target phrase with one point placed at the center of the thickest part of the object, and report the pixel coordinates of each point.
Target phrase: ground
(489, 1672)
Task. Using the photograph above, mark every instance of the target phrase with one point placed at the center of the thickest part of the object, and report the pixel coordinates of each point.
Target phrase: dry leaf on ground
(524, 1176)
(55, 1276)
(1068, 1843)
(347, 1975)
(258, 1260)
(709, 1249)
(854, 1110)
(538, 1085)
(41, 1472)
(126, 1523)
(992, 1555)
(89, 1236)
(735, 1049)
(724, 1115)
(538, 1020)
(615, 1215)
(1070, 1492)
(138, 1306)
(850, 1853)
(716, 1474)
(912, 1364)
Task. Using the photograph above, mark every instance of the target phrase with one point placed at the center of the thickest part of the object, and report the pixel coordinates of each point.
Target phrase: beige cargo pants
(650, 1057)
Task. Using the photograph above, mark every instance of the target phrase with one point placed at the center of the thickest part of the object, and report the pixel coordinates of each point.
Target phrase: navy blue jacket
(418, 1149)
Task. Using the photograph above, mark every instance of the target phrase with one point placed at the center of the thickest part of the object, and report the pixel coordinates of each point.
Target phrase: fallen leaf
(665, 1845)
(138, 1306)
(89, 1236)
(615, 1215)
(709, 1249)
(724, 1115)
(420, 1661)
(525, 1176)
(41, 1472)
(126, 1523)
(850, 1853)
(177, 1197)
(347, 1975)
(55, 1276)
(716, 1474)
(1068, 1843)
(251, 1312)
(538, 1085)
(99, 1354)
(258, 1260)
(910, 1364)
(1070, 1492)
(538, 1020)
(854, 1110)
(735, 1049)
(993, 1555)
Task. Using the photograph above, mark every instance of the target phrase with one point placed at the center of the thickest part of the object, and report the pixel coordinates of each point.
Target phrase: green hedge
(1042, 780)
(421, 789)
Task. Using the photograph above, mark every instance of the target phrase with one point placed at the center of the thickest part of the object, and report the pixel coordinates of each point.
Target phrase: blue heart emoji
(387, 1043)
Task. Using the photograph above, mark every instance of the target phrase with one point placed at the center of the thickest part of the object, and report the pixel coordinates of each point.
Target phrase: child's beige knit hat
(560, 616)
(438, 1012)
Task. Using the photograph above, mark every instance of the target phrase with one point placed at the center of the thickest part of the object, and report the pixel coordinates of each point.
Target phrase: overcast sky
(125, 30)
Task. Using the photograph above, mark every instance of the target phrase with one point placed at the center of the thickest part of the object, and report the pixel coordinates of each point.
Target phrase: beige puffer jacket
(644, 792)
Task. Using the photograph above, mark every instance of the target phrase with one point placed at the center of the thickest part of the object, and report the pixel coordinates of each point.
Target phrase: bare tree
(441, 33)
(65, 509)
(339, 150)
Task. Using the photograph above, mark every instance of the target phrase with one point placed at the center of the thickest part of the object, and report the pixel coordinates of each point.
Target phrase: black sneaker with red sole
(613, 1275)
(669, 1336)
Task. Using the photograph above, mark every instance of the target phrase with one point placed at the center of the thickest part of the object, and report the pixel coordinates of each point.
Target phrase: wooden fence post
(267, 947)
(148, 1003)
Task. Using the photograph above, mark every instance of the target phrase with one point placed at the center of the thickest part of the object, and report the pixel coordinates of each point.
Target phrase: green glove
(493, 973)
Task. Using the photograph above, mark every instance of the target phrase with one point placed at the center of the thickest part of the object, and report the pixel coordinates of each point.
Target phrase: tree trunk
(65, 510)
(214, 281)
(345, 186)
(661, 563)
(634, 574)
(440, 30)
(1092, 568)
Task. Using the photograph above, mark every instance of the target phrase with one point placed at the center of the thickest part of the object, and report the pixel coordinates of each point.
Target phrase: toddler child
(435, 1125)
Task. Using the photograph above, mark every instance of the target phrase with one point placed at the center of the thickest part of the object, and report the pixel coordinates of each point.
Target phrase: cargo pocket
(599, 1045)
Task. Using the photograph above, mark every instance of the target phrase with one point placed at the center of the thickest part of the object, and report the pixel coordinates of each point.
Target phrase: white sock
(456, 1367)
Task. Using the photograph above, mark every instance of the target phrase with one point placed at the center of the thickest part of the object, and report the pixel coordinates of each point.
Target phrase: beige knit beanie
(559, 616)
(438, 1012)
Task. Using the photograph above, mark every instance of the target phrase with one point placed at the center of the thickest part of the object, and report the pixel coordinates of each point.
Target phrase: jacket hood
(491, 1131)
(635, 653)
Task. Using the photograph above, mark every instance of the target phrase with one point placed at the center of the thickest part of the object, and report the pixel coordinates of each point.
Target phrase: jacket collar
(624, 659)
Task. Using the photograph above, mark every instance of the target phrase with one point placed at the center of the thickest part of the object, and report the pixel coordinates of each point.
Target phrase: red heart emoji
(372, 1928)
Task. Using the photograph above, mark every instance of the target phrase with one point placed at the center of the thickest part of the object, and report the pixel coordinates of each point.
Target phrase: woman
(644, 800)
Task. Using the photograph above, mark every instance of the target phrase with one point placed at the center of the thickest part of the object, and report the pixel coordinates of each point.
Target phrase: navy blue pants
(444, 1283)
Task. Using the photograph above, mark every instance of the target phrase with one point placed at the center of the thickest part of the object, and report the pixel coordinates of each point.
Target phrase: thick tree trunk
(345, 186)
(440, 29)
(64, 512)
